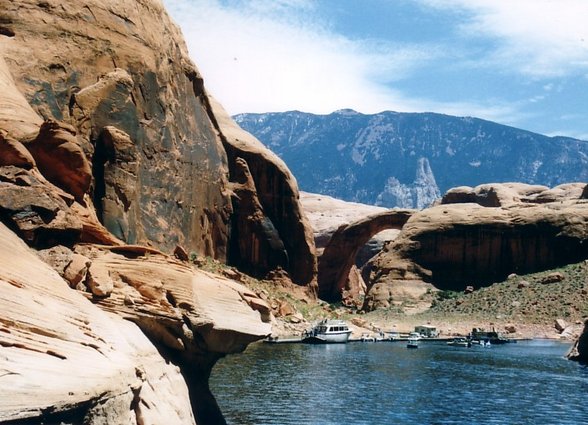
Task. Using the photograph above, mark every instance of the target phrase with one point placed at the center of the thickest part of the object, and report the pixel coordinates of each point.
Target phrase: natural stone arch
(339, 254)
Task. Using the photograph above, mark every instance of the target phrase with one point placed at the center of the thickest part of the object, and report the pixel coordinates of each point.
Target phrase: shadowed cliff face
(123, 65)
(480, 236)
(109, 152)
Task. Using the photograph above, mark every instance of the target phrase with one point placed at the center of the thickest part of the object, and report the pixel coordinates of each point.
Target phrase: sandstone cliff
(111, 155)
(480, 235)
(134, 135)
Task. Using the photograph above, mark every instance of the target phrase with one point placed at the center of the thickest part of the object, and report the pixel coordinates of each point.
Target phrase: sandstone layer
(111, 155)
(481, 235)
(63, 358)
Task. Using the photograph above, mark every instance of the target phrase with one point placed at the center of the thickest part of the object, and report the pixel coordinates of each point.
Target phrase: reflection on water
(384, 383)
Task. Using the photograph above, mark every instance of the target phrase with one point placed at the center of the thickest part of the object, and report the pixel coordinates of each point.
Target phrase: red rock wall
(123, 64)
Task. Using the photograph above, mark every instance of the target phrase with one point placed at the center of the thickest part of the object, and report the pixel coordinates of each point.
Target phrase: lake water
(385, 383)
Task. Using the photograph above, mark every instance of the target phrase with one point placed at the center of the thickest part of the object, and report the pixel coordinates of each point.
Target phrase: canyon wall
(112, 156)
(477, 236)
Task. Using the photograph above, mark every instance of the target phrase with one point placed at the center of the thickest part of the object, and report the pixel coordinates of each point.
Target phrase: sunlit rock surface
(483, 235)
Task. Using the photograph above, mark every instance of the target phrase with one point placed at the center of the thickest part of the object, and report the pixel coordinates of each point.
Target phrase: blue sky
(518, 62)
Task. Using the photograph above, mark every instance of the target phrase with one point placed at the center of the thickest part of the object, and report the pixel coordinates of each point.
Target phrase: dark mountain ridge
(409, 159)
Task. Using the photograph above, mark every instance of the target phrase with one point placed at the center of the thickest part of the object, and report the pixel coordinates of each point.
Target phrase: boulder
(12, 152)
(60, 158)
(77, 270)
(285, 309)
(553, 278)
(560, 325)
(39, 211)
(579, 351)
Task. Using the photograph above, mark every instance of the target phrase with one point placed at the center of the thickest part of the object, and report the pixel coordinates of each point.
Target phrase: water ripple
(384, 383)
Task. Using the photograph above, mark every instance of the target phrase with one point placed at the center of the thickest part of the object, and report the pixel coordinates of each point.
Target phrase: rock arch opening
(339, 255)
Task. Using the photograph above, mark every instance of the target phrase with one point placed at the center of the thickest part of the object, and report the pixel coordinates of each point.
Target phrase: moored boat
(460, 342)
(412, 342)
(327, 332)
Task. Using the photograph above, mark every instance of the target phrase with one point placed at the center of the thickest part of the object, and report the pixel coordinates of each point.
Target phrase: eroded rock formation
(63, 358)
(499, 230)
(339, 254)
(277, 193)
(111, 155)
(122, 64)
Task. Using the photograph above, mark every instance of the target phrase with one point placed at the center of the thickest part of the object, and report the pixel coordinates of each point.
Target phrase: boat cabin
(426, 331)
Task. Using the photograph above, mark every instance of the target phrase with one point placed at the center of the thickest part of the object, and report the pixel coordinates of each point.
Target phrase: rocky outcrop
(339, 254)
(193, 317)
(277, 192)
(505, 194)
(122, 65)
(64, 360)
(456, 245)
(130, 131)
(110, 155)
(60, 158)
(579, 351)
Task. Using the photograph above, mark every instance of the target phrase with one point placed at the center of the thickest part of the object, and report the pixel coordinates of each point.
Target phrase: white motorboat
(412, 342)
(460, 342)
(328, 331)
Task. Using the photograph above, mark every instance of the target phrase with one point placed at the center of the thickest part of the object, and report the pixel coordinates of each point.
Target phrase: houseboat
(328, 331)
(460, 342)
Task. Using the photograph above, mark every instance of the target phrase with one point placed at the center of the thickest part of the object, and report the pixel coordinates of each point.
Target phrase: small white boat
(328, 331)
(460, 342)
(412, 342)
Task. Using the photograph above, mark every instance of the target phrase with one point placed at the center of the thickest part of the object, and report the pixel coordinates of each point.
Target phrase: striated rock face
(278, 195)
(193, 317)
(456, 245)
(122, 65)
(77, 364)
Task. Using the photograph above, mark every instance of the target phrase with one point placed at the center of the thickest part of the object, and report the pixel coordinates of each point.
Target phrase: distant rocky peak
(421, 193)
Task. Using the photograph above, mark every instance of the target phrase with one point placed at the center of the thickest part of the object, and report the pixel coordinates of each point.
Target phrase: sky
(522, 63)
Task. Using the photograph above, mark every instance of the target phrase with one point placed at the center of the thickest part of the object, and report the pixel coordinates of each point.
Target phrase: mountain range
(409, 159)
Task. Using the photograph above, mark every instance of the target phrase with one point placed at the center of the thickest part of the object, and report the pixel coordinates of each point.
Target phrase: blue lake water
(385, 383)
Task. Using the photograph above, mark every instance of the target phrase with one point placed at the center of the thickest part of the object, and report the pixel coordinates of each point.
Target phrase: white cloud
(273, 56)
(539, 38)
(261, 56)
